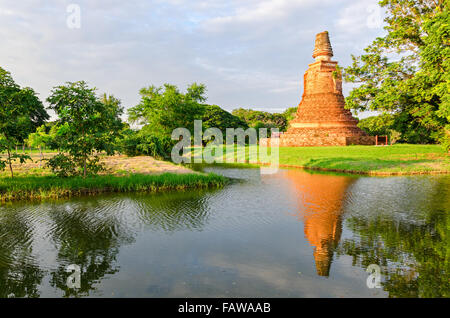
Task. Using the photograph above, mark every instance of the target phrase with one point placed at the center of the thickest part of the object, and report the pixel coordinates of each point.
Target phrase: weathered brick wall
(302, 141)
(321, 118)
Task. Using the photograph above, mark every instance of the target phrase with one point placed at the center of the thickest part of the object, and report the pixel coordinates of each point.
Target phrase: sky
(249, 53)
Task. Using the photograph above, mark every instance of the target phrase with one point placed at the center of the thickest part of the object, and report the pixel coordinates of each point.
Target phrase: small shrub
(65, 166)
(139, 143)
(61, 165)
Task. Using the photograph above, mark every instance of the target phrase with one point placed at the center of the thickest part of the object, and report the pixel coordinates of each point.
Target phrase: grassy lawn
(51, 187)
(395, 159)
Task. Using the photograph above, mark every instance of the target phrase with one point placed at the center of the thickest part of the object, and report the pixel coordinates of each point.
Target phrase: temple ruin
(321, 118)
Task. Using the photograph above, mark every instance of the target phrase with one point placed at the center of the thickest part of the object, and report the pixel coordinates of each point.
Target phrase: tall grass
(35, 187)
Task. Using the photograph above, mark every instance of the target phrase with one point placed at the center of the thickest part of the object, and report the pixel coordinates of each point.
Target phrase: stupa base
(305, 141)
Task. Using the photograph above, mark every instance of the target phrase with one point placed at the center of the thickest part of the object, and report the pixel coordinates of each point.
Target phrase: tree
(163, 109)
(86, 125)
(407, 72)
(214, 116)
(143, 142)
(39, 139)
(260, 119)
(381, 125)
(377, 125)
(290, 113)
(21, 112)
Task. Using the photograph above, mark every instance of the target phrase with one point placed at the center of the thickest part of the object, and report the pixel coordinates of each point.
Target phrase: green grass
(395, 159)
(369, 159)
(51, 187)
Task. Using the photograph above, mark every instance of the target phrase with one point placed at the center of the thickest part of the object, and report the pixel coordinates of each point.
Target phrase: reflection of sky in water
(289, 234)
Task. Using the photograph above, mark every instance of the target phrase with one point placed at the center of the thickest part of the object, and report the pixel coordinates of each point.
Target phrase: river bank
(33, 181)
(399, 159)
(52, 187)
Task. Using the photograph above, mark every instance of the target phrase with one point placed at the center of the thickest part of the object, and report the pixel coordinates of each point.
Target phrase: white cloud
(248, 53)
(360, 17)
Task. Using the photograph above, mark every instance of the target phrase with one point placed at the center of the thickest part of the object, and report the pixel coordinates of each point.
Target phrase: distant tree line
(261, 119)
(89, 125)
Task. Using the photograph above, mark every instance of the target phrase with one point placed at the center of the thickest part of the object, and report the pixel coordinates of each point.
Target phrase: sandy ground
(118, 164)
(141, 164)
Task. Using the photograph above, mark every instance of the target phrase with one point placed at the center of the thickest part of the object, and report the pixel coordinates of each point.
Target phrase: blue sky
(249, 53)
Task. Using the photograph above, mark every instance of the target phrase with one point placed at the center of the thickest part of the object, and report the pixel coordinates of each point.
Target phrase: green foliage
(128, 143)
(156, 146)
(39, 138)
(86, 123)
(65, 165)
(55, 187)
(21, 112)
(144, 142)
(214, 116)
(407, 72)
(382, 125)
(62, 165)
(162, 109)
(290, 113)
(259, 119)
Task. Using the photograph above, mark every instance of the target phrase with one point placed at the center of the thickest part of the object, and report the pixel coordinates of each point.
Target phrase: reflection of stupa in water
(320, 208)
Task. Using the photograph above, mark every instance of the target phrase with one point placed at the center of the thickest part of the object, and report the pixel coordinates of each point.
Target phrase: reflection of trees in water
(414, 256)
(19, 274)
(321, 198)
(174, 211)
(87, 234)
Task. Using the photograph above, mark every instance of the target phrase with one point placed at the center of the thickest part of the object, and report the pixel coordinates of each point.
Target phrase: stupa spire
(322, 119)
(322, 47)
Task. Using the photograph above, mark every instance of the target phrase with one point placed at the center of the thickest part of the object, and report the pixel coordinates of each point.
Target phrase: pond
(289, 234)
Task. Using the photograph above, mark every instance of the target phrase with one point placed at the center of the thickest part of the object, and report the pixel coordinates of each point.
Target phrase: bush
(128, 145)
(142, 143)
(61, 165)
(156, 146)
(65, 165)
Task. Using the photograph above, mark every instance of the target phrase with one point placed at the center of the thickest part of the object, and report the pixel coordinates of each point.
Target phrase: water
(292, 234)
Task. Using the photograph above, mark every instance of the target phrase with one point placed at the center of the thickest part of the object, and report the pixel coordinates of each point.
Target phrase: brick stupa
(321, 118)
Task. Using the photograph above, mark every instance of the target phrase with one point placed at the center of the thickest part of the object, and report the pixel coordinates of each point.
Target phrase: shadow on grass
(366, 165)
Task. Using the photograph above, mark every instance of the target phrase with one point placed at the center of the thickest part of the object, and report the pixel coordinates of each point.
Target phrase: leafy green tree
(56, 135)
(377, 125)
(289, 113)
(87, 124)
(39, 139)
(143, 142)
(21, 112)
(407, 72)
(163, 109)
(260, 119)
(214, 116)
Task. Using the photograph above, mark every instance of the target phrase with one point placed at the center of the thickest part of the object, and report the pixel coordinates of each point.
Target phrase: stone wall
(301, 141)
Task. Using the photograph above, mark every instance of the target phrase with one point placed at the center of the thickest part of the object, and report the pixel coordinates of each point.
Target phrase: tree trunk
(84, 167)
(10, 165)
(40, 151)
